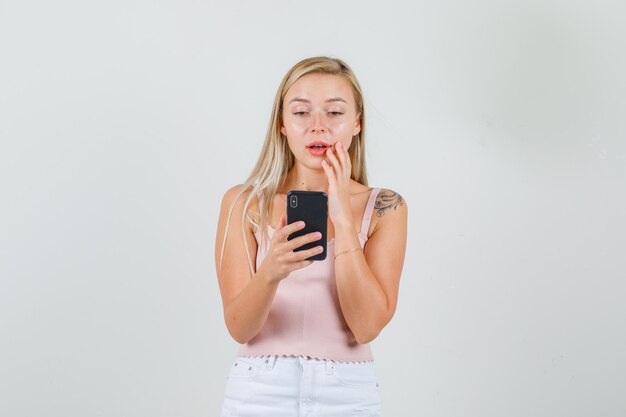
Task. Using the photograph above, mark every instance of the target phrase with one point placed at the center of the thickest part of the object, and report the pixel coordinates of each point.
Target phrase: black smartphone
(312, 208)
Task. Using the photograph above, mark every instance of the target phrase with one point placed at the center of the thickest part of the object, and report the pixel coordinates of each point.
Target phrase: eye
(336, 113)
(300, 112)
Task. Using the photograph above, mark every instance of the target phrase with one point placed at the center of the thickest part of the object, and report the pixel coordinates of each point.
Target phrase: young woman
(305, 326)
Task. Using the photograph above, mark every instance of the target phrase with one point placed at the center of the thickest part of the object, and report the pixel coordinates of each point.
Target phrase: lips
(319, 142)
(317, 151)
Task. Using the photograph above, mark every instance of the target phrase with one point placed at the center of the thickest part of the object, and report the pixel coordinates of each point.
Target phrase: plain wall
(123, 123)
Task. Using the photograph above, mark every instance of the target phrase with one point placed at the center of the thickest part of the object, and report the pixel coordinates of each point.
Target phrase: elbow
(369, 334)
(231, 325)
(239, 340)
(366, 337)
(237, 337)
(239, 334)
(234, 332)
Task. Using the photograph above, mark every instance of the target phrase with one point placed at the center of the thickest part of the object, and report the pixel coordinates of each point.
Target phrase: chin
(312, 162)
(316, 165)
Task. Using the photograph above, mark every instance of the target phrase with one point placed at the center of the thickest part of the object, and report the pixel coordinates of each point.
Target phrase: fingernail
(300, 224)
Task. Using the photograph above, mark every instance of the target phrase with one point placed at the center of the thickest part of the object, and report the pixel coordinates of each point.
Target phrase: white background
(122, 124)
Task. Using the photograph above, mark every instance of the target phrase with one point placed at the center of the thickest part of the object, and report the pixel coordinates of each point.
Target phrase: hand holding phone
(283, 255)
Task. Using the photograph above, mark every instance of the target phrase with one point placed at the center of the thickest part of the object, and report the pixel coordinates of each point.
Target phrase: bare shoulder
(234, 191)
(237, 195)
(390, 207)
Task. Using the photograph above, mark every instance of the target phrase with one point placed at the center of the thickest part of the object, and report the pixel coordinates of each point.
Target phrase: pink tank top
(305, 318)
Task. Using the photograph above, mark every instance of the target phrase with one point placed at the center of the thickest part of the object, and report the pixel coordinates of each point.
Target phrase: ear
(357, 125)
(282, 130)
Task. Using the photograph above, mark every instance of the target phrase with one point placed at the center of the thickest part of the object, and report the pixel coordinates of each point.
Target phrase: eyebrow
(304, 100)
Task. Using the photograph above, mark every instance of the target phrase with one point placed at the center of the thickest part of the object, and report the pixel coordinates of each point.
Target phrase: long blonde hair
(276, 158)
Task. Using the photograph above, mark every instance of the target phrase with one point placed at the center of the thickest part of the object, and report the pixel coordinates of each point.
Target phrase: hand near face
(338, 173)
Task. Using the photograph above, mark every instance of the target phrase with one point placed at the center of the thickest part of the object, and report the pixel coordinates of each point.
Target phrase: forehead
(320, 87)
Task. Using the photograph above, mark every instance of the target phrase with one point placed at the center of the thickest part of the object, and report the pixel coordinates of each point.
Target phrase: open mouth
(317, 150)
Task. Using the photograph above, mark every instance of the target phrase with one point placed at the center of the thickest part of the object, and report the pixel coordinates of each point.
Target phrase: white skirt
(290, 386)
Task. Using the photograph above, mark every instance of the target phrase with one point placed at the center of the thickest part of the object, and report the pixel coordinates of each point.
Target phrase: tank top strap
(259, 195)
(369, 209)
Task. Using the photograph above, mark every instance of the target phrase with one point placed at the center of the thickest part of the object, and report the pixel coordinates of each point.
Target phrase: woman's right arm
(247, 298)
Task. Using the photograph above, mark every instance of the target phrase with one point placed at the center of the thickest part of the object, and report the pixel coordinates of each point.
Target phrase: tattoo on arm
(385, 200)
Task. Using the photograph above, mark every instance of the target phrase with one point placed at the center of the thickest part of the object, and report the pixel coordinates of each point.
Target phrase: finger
(336, 168)
(289, 229)
(338, 161)
(333, 160)
(329, 173)
(328, 169)
(295, 243)
(303, 254)
(300, 265)
(345, 160)
(340, 155)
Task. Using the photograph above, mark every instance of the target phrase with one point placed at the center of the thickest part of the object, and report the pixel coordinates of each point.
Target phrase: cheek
(294, 126)
(296, 145)
(342, 125)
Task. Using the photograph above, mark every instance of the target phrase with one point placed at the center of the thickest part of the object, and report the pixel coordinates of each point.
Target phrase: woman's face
(319, 107)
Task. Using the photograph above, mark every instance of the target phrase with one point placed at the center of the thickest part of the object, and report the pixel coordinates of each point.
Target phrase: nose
(318, 123)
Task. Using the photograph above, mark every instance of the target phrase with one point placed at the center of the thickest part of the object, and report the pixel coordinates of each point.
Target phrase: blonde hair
(276, 158)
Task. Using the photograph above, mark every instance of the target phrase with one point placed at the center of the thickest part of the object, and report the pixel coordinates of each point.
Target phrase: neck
(306, 179)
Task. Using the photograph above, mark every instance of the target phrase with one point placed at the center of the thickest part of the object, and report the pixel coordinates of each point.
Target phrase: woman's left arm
(367, 281)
